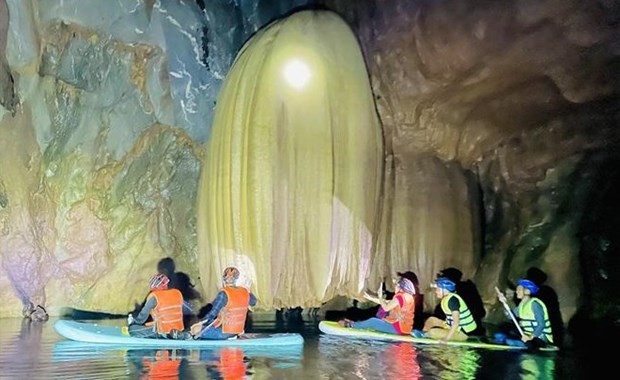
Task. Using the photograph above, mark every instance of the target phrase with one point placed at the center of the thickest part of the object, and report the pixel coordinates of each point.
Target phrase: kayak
(333, 328)
(96, 333)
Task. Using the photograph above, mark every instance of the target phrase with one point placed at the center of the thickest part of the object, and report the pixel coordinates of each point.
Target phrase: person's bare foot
(345, 322)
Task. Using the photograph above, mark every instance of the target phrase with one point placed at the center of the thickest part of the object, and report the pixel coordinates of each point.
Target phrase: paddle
(202, 330)
(502, 299)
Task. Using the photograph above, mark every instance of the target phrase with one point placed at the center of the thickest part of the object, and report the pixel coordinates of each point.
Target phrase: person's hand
(501, 297)
(371, 298)
(195, 329)
(526, 338)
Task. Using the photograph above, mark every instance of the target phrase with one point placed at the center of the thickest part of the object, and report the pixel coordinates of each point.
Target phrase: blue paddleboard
(95, 333)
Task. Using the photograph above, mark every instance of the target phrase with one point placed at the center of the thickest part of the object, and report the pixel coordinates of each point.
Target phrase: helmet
(159, 281)
(406, 285)
(529, 285)
(231, 275)
(445, 283)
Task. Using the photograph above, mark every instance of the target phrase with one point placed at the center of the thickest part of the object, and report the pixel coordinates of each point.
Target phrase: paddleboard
(96, 333)
(71, 350)
(333, 328)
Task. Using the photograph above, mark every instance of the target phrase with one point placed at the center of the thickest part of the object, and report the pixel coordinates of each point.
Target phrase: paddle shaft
(206, 327)
(512, 316)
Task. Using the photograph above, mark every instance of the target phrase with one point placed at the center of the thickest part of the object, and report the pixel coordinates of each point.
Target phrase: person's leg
(142, 331)
(213, 333)
(375, 324)
(433, 322)
(440, 333)
(515, 342)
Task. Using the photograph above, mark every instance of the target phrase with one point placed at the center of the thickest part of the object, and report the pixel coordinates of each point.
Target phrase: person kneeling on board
(399, 311)
(226, 319)
(164, 305)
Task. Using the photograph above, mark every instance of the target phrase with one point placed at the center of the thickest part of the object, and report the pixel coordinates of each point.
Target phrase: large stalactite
(290, 185)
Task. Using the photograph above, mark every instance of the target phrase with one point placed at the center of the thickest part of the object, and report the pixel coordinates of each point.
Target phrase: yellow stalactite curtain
(430, 225)
(290, 184)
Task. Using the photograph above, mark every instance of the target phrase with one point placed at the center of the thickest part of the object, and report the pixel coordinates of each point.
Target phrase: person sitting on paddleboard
(532, 316)
(226, 319)
(164, 305)
(459, 321)
(399, 311)
(181, 281)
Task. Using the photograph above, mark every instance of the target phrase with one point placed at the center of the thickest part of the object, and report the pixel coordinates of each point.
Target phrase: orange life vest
(403, 314)
(168, 314)
(233, 314)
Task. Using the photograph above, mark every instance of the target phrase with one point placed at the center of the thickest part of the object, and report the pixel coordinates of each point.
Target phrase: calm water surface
(30, 350)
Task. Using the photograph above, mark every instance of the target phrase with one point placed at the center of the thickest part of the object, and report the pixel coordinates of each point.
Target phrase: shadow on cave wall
(598, 317)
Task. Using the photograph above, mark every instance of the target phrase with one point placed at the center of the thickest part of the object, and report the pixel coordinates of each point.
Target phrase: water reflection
(159, 364)
(537, 367)
(372, 359)
(217, 363)
(31, 350)
(401, 361)
(226, 363)
(451, 362)
(24, 349)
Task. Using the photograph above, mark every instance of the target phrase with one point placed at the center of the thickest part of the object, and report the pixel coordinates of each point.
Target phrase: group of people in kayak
(458, 316)
(168, 309)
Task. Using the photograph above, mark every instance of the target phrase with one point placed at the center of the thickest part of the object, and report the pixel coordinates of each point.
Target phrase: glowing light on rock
(297, 73)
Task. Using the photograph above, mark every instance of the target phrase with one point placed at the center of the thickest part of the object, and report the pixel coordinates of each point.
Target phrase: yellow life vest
(466, 319)
(527, 319)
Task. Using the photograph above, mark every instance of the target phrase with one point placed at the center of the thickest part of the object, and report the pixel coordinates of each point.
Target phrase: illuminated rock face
(292, 175)
(497, 123)
(99, 159)
(522, 95)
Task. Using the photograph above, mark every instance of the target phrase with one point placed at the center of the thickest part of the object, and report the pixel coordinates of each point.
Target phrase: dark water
(30, 350)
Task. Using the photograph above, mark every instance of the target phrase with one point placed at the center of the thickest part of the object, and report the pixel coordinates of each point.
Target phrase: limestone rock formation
(498, 122)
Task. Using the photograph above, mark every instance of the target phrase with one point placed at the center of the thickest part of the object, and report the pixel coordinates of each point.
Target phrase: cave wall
(491, 114)
(517, 93)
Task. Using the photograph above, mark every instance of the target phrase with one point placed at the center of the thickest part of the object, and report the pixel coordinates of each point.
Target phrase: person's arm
(456, 319)
(150, 304)
(454, 305)
(385, 305)
(252, 299)
(218, 304)
(396, 301)
(515, 311)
